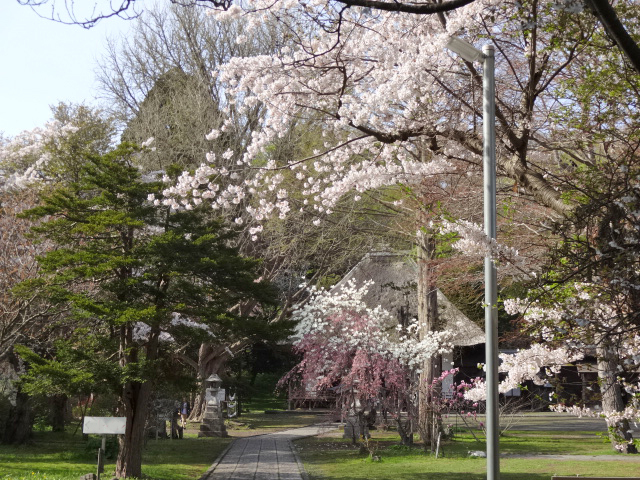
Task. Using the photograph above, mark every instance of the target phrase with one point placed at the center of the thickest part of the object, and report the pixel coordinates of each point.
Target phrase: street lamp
(472, 54)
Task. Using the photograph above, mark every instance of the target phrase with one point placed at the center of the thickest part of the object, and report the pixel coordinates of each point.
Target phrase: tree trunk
(19, 421)
(58, 413)
(404, 430)
(199, 404)
(612, 401)
(136, 400)
(428, 417)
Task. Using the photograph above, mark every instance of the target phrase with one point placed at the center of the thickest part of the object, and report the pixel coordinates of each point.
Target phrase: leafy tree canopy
(141, 281)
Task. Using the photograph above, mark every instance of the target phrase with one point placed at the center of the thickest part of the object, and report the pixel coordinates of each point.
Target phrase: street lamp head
(464, 49)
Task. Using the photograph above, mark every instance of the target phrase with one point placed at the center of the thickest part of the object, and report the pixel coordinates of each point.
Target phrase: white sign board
(104, 425)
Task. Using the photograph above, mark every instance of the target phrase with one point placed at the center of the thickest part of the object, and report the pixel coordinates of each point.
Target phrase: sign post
(104, 426)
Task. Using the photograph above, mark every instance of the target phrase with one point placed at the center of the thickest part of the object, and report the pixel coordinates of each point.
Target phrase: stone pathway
(264, 457)
(271, 456)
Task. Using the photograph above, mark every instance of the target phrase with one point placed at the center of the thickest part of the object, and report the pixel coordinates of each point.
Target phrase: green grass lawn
(57, 456)
(266, 412)
(63, 456)
(335, 458)
(259, 420)
(54, 456)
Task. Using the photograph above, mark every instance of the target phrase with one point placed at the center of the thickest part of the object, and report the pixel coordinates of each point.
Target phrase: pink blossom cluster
(342, 318)
(344, 343)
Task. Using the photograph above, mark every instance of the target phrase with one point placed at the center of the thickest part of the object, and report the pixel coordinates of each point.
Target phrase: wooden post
(100, 462)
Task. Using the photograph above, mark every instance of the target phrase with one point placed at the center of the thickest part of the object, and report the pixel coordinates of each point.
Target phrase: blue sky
(44, 63)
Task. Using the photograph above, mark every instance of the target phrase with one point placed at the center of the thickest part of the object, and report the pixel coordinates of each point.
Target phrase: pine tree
(137, 278)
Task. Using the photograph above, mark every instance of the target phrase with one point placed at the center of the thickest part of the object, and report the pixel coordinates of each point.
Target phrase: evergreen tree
(140, 279)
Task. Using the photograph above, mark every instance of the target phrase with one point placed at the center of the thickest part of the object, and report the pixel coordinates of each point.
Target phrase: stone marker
(212, 423)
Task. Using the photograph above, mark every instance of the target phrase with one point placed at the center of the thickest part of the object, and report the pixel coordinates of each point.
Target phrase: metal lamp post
(472, 54)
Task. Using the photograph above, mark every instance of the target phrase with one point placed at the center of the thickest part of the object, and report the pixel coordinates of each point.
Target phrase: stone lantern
(212, 422)
(212, 386)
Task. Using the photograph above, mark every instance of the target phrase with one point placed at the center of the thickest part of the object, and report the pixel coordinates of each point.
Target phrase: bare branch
(66, 12)
(409, 7)
(603, 10)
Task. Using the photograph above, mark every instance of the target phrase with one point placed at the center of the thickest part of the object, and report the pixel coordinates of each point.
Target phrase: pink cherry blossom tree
(360, 353)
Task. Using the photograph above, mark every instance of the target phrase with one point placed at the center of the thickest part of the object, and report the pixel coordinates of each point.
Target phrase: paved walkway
(271, 456)
(264, 457)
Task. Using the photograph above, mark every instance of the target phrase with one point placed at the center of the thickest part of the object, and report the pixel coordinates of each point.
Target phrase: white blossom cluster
(473, 241)
(613, 418)
(367, 84)
(31, 145)
(321, 190)
(526, 364)
(180, 320)
(585, 305)
(595, 323)
(141, 330)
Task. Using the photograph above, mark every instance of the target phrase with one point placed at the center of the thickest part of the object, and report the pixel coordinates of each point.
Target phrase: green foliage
(125, 268)
(332, 458)
(66, 374)
(328, 281)
(111, 446)
(177, 113)
(599, 96)
(596, 249)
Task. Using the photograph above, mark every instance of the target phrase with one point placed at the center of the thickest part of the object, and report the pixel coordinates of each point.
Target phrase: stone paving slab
(264, 457)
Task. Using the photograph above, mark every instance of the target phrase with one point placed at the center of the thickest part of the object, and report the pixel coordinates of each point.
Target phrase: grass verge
(335, 458)
(63, 456)
(55, 456)
(261, 422)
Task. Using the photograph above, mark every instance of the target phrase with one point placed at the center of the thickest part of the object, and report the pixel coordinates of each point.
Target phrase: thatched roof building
(394, 276)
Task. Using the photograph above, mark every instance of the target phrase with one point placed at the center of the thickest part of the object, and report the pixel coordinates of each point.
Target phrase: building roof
(395, 289)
